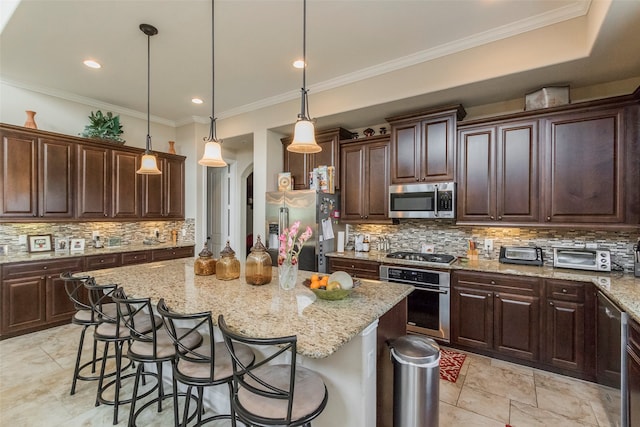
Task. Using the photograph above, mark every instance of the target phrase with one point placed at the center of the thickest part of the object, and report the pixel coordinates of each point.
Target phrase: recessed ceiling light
(92, 64)
(298, 63)
(197, 100)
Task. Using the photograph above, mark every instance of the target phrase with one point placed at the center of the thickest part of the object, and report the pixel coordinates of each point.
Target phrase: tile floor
(35, 380)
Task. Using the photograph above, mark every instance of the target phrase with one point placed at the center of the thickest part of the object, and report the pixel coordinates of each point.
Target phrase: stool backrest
(99, 297)
(137, 315)
(198, 322)
(248, 376)
(74, 287)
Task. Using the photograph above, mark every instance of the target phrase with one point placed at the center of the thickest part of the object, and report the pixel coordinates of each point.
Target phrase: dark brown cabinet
(40, 171)
(96, 262)
(163, 195)
(365, 179)
(498, 314)
(570, 326)
(423, 145)
(171, 253)
(633, 374)
(139, 257)
(356, 268)
(300, 165)
(33, 296)
(584, 167)
(498, 173)
(125, 184)
(94, 182)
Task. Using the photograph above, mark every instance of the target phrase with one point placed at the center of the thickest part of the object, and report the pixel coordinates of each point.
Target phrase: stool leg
(174, 382)
(95, 353)
(185, 415)
(233, 414)
(116, 400)
(132, 410)
(102, 369)
(160, 385)
(199, 408)
(76, 371)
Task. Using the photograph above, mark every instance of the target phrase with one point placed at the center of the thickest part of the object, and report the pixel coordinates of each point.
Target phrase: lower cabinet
(498, 314)
(171, 253)
(548, 323)
(34, 296)
(355, 268)
(633, 374)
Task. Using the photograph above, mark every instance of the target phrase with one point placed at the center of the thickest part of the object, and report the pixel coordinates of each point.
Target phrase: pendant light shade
(149, 164)
(304, 140)
(212, 156)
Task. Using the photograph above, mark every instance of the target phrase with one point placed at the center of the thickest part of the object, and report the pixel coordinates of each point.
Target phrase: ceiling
(43, 44)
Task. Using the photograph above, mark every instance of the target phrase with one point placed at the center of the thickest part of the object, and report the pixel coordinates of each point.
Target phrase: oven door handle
(438, 291)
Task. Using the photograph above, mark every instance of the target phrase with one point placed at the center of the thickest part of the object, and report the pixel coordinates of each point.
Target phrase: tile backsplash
(129, 232)
(452, 239)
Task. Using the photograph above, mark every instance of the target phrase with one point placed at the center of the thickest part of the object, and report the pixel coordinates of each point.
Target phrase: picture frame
(114, 242)
(61, 244)
(285, 181)
(39, 243)
(76, 245)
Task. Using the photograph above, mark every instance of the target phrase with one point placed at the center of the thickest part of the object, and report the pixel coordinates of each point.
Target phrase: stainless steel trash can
(416, 381)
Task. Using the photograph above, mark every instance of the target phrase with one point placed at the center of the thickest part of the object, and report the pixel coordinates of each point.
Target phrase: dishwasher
(611, 352)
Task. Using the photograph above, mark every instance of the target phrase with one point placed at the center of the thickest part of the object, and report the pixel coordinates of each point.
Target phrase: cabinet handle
(35, 215)
(548, 218)
(366, 216)
(43, 277)
(101, 260)
(564, 291)
(417, 179)
(105, 215)
(489, 294)
(500, 217)
(424, 178)
(497, 295)
(551, 303)
(491, 217)
(44, 268)
(493, 282)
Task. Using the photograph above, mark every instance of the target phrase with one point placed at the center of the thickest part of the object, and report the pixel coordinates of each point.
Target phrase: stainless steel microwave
(582, 259)
(433, 200)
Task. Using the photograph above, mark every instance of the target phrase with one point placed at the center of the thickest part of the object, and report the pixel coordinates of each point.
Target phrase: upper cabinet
(300, 165)
(423, 145)
(573, 165)
(163, 195)
(37, 176)
(58, 177)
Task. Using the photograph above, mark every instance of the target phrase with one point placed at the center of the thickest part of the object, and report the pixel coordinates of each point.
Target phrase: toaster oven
(582, 259)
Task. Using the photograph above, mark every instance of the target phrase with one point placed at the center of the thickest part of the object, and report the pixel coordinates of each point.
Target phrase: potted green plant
(104, 126)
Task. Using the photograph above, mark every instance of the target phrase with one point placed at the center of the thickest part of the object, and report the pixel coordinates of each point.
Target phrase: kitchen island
(338, 339)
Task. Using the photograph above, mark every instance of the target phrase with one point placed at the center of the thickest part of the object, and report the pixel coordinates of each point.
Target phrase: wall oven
(428, 304)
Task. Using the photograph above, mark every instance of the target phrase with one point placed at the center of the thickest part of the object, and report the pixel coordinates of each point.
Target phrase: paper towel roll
(340, 244)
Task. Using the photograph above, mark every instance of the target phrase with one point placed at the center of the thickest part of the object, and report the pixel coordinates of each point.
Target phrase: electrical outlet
(156, 232)
(184, 232)
(22, 239)
(95, 234)
(488, 244)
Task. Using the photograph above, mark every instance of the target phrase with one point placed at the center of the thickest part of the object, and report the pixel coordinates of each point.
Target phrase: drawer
(565, 290)
(500, 282)
(95, 262)
(40, 268)
(171, 253)
(356, 268)
(139, 257)
(634, 336)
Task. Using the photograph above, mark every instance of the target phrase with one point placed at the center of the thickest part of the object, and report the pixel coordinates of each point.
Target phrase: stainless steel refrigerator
(310, 208)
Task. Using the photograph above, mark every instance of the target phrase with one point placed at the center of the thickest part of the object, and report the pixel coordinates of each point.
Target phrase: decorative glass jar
(288, 274)
(228, 266)
(258, 266)
(205, 264)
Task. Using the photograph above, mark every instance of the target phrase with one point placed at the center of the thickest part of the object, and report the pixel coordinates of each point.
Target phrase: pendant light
(212, 150)
(304, 140)
(149, 164)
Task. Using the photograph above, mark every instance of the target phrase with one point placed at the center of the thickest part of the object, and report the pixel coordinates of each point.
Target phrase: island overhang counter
(338, 339)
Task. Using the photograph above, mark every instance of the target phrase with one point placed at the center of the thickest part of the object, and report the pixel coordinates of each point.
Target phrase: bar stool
(204, 366)
(85, 317)
(110, 330)
(149, 346)
(267, 394)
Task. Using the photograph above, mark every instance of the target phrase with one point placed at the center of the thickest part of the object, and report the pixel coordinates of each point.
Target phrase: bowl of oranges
(337, 286)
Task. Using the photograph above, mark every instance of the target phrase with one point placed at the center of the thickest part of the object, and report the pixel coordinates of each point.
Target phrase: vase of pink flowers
(291, 243)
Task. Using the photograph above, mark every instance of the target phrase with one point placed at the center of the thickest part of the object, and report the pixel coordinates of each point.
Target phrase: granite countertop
(265, 311)
(47, 256)
(623, 289)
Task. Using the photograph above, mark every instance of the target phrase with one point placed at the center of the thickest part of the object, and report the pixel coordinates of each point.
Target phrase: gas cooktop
(418, 256)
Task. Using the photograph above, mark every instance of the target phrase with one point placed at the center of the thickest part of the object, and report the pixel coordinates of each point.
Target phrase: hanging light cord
(212, 127)
(148, 150)
(304, 107)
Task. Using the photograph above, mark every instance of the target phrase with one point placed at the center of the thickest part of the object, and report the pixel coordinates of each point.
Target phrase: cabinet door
(633, 374)
(476, 178)
(153, 193)
(517, 172)
(405, 153)
(438, 150)
(472, 317)
(584, 158)
(173, 175)
(517, 325)
(564, 347)
(23, 304)
(376, 197)
(55, 170)
(125, 189)
(59, 305)
(356, 268)
(298, 164)
(19, 187)
(352, 177)
(94, 182)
